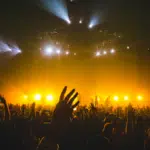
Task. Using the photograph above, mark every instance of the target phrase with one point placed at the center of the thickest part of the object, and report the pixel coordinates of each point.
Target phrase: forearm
(7, 112)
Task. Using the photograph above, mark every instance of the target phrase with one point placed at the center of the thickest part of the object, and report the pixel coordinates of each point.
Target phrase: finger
(72, 99)
(69, 95)
(62, 95)
(76, 104)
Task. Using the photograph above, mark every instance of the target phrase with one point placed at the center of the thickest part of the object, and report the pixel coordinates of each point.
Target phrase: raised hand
(2, 99)
(7, 112)
(64, 108)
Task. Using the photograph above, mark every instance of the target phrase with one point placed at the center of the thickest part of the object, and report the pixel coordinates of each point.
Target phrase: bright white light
(68, 21)
(19, 51)
(98, 53)
(80, 21)
(58, 8)
(139, 97)
(126, 98)
(37, 97)
(104, 52)
(49, 97)
(128, 47)
(67, 52)
(116, 98)
(15, 50)
(94, 21)
(58, 51)
(75, 109)
(91, 25)
(4, 47)
(112, 51)
(48, 50)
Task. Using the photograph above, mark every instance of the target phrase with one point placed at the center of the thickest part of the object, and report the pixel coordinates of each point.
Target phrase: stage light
(139, 97)
(49, 98)
(112, 51)
(37, 97)
(68, 21)
(98, 53)
(58, 51)
(67, 52)
(4, 47)
(25, 96)
(75, 109)
(128, 47)
(58, 8)
(15, 50)
(94, 21)
(126, 98)
(105, 52)
(80, 21)
(48, 50)
(91, 26)
(116, 98)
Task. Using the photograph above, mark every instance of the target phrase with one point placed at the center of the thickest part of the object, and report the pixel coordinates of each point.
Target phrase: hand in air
(64, 108)
(2, 99)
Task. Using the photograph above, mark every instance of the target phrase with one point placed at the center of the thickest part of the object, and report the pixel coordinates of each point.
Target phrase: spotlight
(75, 54)
(139, 97)
(126, 98)
(104, 52)
(48, 50)
(58, 51)
(94, 21)
(128, 47)
(68, 21)
(98, 53)
(90, 26)
(75, 109)
(49, 97)
(112, 51)
(116, 98)
(58, 8)
(67, 52)
(80, 21)
(25, 96)
(37, 97)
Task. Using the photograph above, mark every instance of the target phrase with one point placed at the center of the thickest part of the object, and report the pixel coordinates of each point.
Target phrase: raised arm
(7, 111)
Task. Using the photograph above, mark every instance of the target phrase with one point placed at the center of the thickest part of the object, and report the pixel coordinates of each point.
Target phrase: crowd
(29, 127)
